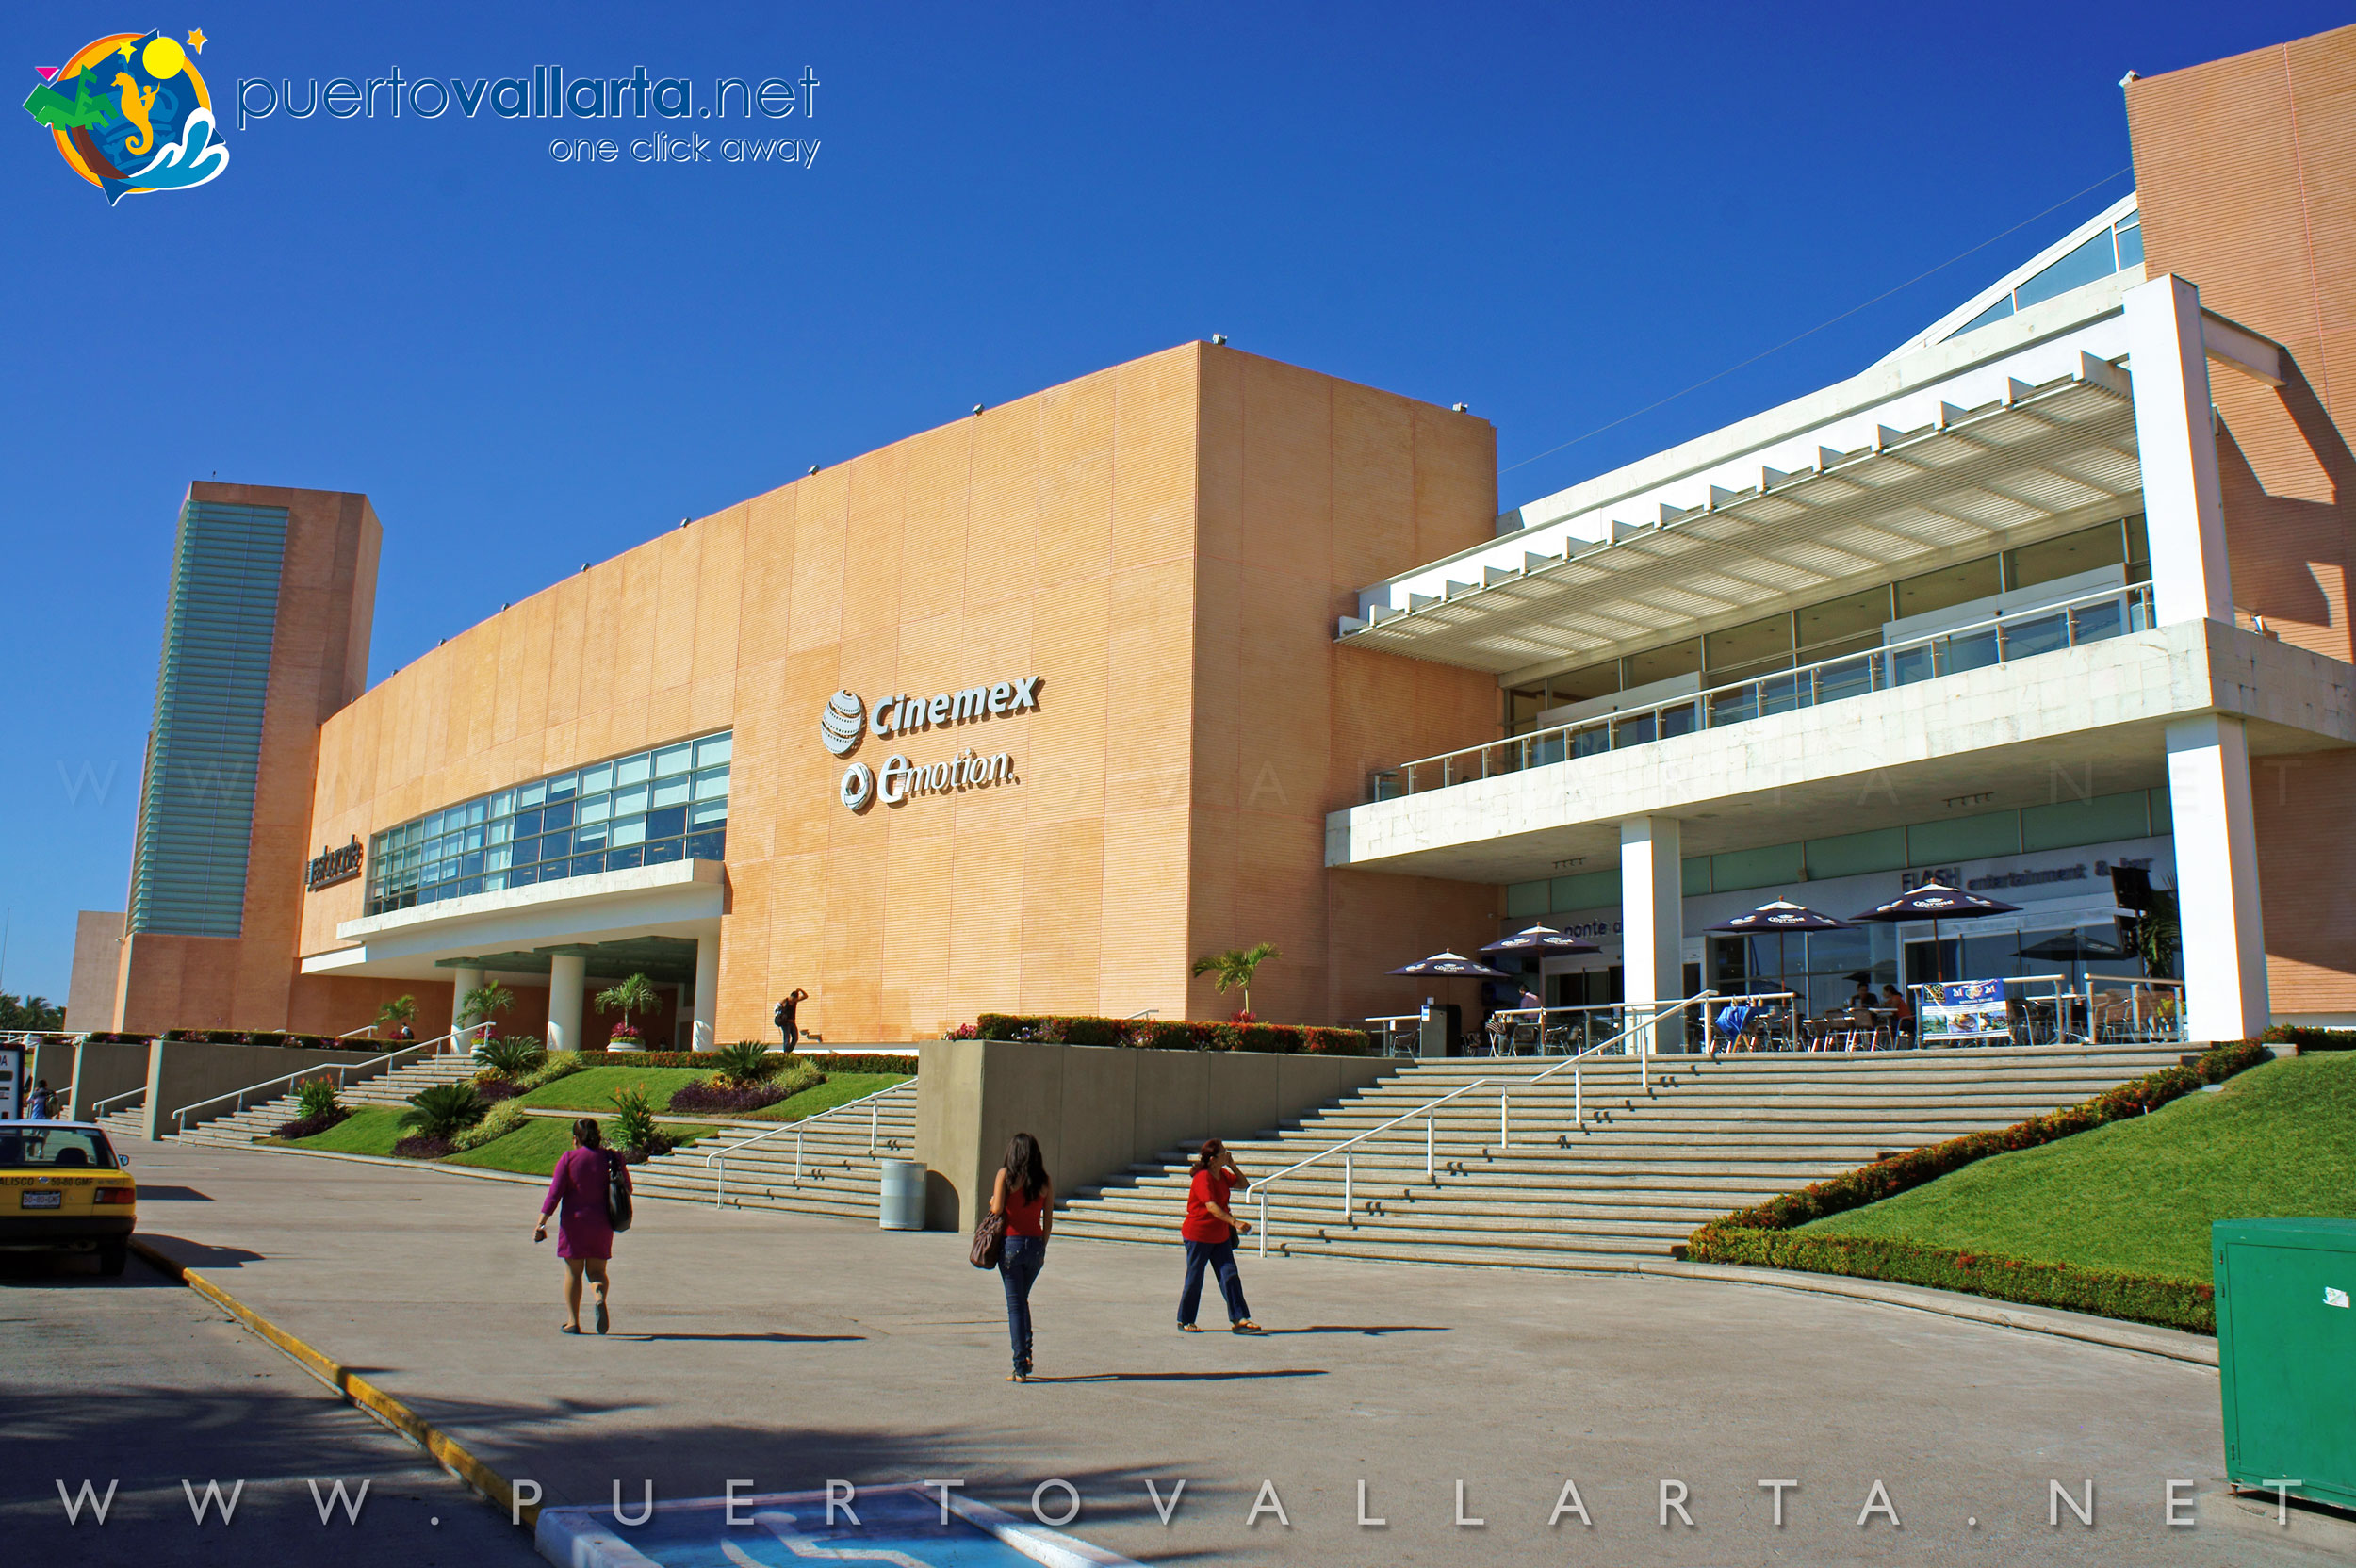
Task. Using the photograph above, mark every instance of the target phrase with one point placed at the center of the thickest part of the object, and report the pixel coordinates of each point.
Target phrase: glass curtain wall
(645, 810)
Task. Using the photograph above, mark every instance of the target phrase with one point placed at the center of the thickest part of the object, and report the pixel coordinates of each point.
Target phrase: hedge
(1762, 1235)
(1172, 1035)
(2308, 1037)
(825, 1061)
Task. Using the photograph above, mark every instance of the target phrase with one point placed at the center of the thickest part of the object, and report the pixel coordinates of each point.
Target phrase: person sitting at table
(1902, 1017)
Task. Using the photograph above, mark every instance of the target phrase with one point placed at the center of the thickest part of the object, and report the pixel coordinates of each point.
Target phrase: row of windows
(667, 804)
(1837, 627)
(2114, 250)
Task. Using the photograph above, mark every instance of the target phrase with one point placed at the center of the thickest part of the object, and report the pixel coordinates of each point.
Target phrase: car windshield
(53, 1149)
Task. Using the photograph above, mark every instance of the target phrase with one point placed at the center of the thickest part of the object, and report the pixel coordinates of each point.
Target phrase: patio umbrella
(1449, 966)
(1781, 917)
(2073, 944)
(1537, 942)
(1935, 901)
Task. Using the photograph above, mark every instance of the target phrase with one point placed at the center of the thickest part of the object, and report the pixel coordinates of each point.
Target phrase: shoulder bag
(990, 1240)
(617, 1210)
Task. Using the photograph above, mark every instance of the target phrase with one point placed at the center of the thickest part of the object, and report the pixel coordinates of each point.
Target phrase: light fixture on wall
(1218, 341)
(977, 408)
(1462, 408)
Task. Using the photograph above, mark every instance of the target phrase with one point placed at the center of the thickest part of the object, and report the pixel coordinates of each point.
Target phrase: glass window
(631, 770)
(671, 760)
(666, 822)
(503, 803)
(1661, 663)
(2082, 551)
(2097, 258)
(1839, 621)
(1740, 652)
(2130, 231)
(595, 808)
(630, 803)
(707, 813)
(711, 783)
(595, 780)
(1989, 317)
(1595, 680)
(531, 794)
(712, 751)
(671, 790)
(619, 859)
(562, 787)
(630, 832)
(663, 851)
(1523, 705)
(712, 845)
(556, 814)
(1960, 583)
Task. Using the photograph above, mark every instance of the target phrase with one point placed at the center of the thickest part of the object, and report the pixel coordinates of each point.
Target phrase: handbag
(617, 1210)
(990, 1240)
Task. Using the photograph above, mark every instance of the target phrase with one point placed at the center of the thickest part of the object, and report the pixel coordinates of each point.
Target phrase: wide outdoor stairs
(261, 1118)
(838, 1174)
(1635, 1172)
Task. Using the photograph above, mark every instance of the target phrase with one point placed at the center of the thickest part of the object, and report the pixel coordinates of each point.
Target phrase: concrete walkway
(787, 1351)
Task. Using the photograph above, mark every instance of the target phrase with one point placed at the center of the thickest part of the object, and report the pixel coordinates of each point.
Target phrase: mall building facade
(1029, 712)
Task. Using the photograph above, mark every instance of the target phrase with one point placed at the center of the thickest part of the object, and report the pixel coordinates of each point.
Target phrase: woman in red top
(1025, 1200)
(585, 1234)
(1210, 1233)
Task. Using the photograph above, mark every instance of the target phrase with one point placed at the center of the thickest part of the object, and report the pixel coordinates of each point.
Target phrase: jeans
(1017, 1266)
(1218, 1257)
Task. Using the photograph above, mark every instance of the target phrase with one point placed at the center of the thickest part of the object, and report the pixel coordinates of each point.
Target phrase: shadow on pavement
(72, 1272)
(174, 1195)
(1368, 1330)
(197, 1254)
(1184, 1377)
(757, 1339)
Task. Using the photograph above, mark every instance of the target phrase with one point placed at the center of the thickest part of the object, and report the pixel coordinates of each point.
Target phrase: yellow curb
(447, 1451)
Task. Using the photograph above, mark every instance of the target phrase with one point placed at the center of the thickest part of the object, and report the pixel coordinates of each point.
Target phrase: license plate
(44, 1200)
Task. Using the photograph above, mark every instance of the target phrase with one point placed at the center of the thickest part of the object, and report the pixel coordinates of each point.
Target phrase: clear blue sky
(1556, 215)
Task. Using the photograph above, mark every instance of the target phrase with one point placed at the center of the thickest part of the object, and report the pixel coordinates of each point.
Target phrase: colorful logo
(130, 113)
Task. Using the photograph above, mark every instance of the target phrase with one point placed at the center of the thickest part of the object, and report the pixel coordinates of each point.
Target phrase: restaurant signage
(331, 866)
(848, 718)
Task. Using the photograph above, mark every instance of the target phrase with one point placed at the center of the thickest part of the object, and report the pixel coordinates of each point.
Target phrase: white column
(706, 995)
(2183, 516)
(568, 977)
(2222, 933)
(461, 982)
(1652, 915)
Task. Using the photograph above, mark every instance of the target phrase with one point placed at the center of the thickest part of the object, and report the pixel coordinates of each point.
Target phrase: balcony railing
(2017, 634)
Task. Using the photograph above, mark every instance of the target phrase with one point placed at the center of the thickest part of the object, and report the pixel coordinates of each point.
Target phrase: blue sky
(1554, 213)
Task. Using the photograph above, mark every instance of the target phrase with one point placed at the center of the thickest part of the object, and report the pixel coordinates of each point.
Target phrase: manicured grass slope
(840, 1089)
(534, 1148)
(369, 1130)
(2140, 1195)
(592, 1087)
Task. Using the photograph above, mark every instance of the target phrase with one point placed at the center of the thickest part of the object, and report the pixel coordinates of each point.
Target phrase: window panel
(707, 813)
(714, 750)
(671, 790)
(664, 851)
(632, 770)
(711, 783)
(630, 803)
(710, 845)
(672, 760)
(630, 832)
(1960, 583)
(597, 779)
(595, 808)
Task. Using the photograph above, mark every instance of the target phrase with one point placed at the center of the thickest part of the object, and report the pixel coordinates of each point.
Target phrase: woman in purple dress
(585, 1234)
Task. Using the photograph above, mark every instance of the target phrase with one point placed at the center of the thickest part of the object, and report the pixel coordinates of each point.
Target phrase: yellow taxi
(63, 1188)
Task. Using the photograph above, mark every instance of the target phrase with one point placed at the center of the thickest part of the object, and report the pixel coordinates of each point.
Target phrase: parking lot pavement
(138, 1383)
(784, 1352)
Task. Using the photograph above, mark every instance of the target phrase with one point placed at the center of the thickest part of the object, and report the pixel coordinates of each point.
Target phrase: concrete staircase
(838, 1176)
(240, 1127)
(1630, 1171)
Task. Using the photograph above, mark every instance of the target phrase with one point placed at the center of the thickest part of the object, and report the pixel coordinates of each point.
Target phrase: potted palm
(396, 1015)
(1235, 969)
(632, 996)
(478, 1004)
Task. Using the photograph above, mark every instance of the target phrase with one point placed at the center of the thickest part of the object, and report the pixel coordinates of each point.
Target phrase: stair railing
(1639, 1034)
(719, 1157)
(98, 1108)
(342, 1070)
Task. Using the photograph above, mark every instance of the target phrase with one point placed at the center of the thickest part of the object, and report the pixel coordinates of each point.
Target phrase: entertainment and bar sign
(847, 720)
(331, 866)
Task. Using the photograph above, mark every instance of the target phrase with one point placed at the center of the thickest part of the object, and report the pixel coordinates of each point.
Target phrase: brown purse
(990, 1240)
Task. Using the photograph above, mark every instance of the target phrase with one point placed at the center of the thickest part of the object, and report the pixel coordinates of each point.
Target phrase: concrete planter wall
(183, 1073)
(103, 1071)
(1096, 1110)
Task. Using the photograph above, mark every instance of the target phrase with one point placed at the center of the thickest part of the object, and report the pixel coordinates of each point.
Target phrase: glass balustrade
(2018, 634)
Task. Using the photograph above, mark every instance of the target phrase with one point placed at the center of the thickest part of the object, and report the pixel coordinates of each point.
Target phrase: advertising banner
(11, 1081)
(1965, 1010)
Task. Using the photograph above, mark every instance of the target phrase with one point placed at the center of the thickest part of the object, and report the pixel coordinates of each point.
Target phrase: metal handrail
(98, 1108)
(1133, 1016)
(341, 1069)
(1641, 1031)
(364, 1029)
(719, 1188)
(1877, 660)
(2162, 989)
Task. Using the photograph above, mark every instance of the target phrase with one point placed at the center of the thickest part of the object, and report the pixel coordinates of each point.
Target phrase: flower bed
(1172, 1035)
(1764, 1235)
(2308, 1037)
(711, 1098)
(418, 1147)
(310, 1126)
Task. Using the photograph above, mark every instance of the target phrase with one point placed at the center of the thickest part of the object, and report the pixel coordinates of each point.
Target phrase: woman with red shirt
(1210, 1233)
(1025, 1200)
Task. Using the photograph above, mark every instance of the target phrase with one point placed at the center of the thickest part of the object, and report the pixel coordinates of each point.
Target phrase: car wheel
(112, 1255)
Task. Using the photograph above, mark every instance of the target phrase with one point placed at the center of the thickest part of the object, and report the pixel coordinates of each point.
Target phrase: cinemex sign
(847, 720)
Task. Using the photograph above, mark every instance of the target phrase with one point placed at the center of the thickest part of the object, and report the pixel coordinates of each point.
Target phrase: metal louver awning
(2038, 453)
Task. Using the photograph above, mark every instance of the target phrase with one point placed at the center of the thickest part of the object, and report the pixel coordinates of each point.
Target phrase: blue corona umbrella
(1935, 901)
(1537, 942)
(1452, 966)
(1782, 917)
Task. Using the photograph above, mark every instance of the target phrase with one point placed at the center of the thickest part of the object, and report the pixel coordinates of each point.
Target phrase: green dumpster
(2286, 1354)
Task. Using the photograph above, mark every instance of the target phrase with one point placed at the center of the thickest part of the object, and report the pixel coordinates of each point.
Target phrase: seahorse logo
(136, 102)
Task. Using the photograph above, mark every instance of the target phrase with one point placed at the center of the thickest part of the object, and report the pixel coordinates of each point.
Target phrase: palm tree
(400, 1010)
(634, 995)
(482, 1001)
(1235, 968)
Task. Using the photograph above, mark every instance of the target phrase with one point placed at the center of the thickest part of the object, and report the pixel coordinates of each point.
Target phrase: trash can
(902, 1198)
(2286, 1354)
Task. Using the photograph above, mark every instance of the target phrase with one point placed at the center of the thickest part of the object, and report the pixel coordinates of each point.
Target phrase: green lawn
(534, 1148)
(2278, 1140)
(592, 1087)
(369, 1130)
(840, 1089)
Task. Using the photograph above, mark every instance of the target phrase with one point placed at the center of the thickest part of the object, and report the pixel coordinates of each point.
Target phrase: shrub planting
(1172, 1035)
(510, 1056)
(635, 1129)
(727, 1093)
(744, 1064)
(502, 1121)
(1767, 1235)
(317, 1109)
(2308, 1037)
(421, 1146)
(442, 1111)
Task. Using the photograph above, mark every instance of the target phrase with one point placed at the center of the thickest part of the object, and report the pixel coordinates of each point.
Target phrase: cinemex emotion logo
(130, 114)
(846, 719)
